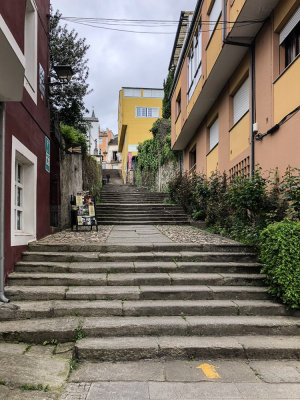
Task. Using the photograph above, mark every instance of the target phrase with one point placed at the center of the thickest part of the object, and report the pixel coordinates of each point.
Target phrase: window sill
(286, 68)
(211, 150)
(237, 122)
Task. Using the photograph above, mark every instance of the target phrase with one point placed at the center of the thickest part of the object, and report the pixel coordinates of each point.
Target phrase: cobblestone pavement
(84, 235)
(190, 234)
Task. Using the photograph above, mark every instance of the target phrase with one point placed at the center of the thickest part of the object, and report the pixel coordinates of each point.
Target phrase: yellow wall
(286, 92)
(235, 10)
(283, 12)
(214, 47)
(138, 129)
(240, 136)
(212, 161)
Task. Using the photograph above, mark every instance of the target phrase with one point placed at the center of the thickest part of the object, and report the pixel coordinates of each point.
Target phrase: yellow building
(138, 109)
(236, 91)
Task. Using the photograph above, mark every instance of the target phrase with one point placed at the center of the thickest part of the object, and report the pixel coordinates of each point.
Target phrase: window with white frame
(23, 194)
(195, 62)
(214, 15)
(241, 101)
(214, 134)
(19, 194)
(153, 93)
(147, 112)
(131, 92)
(289, 38)
(100, 140)
(30, 49)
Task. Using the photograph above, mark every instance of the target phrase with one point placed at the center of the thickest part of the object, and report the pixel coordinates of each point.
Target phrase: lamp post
(64, 73)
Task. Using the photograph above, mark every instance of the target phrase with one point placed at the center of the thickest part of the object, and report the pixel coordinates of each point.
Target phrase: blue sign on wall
(47, 142)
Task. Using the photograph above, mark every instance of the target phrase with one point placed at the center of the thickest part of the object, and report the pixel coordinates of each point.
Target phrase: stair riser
(68, 335)
(135, 354)
(143, 311)
(114, 281)
(92, 269)
(136, 257)
(109, 222)
(149, 295)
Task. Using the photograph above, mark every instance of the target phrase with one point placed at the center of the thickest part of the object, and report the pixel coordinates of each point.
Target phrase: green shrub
(291, 191)
(280, 255)
(73, 137)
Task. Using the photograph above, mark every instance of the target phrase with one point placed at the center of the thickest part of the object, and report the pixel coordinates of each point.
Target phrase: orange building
(236, 93)
(104, 138)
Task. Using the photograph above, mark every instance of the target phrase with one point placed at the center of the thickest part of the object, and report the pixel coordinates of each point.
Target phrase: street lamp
(64, 73)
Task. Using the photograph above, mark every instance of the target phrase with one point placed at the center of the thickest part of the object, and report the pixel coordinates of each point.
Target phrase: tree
(67, 49)
(166, 107)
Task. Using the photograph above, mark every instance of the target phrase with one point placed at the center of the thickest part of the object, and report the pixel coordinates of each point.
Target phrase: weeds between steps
(79, 333)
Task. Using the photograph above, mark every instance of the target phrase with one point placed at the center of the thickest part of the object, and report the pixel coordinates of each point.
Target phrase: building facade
(113, 160)
(104, 137)
(24, 65)
(138, 109)
(92, 132)
(235, 98)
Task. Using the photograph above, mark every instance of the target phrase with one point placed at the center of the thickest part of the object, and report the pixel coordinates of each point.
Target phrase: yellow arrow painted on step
(209, 370)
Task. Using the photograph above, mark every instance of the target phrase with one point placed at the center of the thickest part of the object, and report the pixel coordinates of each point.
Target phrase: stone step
(138, 267)
(35, 293)
(141, 256)
(64, 329)
(133, 279)
(149, 222)
(154, 219)
(177, 347)
(141, 214)
(100, 308)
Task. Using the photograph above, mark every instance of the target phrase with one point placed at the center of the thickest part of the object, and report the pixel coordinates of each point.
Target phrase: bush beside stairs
(131, 302)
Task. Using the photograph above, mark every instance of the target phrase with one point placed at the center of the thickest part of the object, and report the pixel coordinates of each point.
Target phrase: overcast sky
(119, 59)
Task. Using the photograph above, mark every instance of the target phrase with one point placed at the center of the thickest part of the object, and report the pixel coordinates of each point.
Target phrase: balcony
(228, 60)
(12, 66)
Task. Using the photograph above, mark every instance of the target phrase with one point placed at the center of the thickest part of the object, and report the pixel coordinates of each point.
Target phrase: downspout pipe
(2, 186)
(252, 73)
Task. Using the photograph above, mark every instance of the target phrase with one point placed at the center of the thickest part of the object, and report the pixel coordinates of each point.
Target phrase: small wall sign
(47, 165)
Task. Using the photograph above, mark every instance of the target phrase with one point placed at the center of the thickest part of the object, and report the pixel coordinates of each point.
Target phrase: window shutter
(289, 26)
(214, 15)
(241, 101)
(214, 134)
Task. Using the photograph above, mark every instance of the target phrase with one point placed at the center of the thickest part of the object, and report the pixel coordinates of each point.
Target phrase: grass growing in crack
(183, 317)
(52, 341)
(73, 362)
(34, 387)
(27, 348)
(79, 333)
(2, 383)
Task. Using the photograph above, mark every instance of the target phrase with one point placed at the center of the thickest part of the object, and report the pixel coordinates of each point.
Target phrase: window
(214, 15)
(19, 194)
(192, 159)
(154, 93)
(195, 62)
(147, 112)
(178, 104)
(23, 194)
(100, 140)
(241, 102)
(30, 49)
(115, 156)
(214, 134)
(290, 38)
(131, 92)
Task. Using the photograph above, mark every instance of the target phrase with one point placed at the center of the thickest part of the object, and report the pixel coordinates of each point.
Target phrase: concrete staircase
(129, 205)
(132, 302)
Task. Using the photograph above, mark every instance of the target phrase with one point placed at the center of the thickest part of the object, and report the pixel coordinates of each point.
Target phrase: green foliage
(79, 334)
(67, 49)
(166, 104)
(92, 176)
(73, 137)
(239, 209)
(154, 152)
(280, 255)
(291, 188)
(34, 387)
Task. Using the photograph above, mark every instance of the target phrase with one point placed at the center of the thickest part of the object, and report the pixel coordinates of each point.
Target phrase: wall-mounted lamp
(64, 73)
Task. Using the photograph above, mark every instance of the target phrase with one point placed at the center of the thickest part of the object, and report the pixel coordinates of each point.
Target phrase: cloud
(119, 59)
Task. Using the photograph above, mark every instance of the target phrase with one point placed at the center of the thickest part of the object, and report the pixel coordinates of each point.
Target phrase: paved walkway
(136, 234)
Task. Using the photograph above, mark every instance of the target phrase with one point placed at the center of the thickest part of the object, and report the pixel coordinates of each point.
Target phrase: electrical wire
(107, 23)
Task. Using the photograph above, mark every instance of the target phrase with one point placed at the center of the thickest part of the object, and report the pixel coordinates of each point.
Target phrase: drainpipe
(252, 77)
(2, 183)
